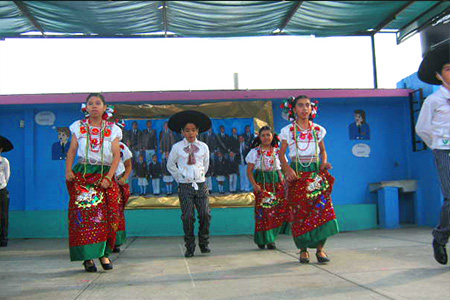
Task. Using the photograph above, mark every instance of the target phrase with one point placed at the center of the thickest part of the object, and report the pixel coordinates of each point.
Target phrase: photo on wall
(359, 129)
(60, 148)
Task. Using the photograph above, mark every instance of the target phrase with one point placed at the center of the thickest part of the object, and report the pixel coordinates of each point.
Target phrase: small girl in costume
(264, 173)
(94, 193)
(310, 211)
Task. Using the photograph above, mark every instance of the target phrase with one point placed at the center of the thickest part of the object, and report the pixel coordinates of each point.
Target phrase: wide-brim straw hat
(432, 63)
(5, 144)
(179, 120)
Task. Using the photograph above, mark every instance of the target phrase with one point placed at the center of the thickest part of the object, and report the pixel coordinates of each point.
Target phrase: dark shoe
(271, 246)
(3, 243)
(440, 253)
(322, 259)
(304, 260)
(204, 249)
(116, 250)
(189, 252)
(89, 266)
(107, 266)
(261, 246)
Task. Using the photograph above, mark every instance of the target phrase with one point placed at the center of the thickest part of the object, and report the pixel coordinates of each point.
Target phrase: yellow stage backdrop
(229, 200)
(260, 111)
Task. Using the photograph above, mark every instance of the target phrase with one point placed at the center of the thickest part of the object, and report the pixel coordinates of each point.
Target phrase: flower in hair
(287, 108)
(314, 108)
(109, 113)
(84, 110)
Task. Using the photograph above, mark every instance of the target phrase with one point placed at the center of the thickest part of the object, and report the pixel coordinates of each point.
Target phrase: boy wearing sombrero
(433, 126)
(188, 163)
(5, 146)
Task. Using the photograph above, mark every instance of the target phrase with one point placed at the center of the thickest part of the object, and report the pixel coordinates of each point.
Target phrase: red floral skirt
(93, 214)
(309, 202)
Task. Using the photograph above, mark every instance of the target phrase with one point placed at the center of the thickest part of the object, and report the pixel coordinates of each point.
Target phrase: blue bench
(388, 200)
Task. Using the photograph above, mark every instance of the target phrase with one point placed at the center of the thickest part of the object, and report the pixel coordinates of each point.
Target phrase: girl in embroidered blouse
(264, 173)
(310, 211)
(94, 193)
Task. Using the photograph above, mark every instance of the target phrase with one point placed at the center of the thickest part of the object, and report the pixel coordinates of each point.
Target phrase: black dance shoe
(271, 246)
(261, 246)
(116, 250)
(189, 252)
(440, 253)
(107, 266)
(304, 260)
(3, 243)
(89, 266)
(204, 249)
(322, 259)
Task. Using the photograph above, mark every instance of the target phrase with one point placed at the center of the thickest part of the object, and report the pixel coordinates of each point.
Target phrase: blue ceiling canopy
(216, 18)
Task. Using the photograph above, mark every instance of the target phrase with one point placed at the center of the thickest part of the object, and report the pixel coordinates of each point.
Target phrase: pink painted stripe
(167, 96)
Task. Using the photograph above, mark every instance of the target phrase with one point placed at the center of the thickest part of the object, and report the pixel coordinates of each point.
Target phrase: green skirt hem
(88, 252)
(317, 236)
(121, 238)
(266, 237)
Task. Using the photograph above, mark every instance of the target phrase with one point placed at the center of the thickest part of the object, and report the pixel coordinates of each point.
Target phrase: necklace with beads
(300, 130)
(298, 161)
(271, 200)
(89, 143)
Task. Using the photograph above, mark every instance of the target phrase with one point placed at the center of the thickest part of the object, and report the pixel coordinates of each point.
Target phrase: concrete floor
(373, 264)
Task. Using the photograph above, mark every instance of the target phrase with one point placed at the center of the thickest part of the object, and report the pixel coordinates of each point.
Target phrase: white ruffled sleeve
(127, 154)
(251, 157)
(284, 134)
(322, 133)
(75, 129)
(116, 132)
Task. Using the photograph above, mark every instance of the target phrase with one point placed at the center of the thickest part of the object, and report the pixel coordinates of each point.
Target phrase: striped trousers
(189, 197)
(441, 233)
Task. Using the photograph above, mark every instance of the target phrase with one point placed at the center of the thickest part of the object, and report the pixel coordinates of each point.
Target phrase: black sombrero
(5, 144)
(433, 62)
(180, 119)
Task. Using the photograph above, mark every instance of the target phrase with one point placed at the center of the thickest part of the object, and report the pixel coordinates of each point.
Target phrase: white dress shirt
(4, 172)
(177, 163)
(433, 124)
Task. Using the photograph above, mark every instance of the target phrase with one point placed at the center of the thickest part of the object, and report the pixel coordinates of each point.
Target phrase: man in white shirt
(188, 163)
(433, 126)
(5, 146)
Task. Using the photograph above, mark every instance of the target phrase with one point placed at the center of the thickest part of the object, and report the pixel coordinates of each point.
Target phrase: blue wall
(422, 165)
(37, 182)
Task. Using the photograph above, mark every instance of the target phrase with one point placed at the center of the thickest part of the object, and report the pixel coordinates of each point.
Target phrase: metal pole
(236, 81)
(374, 62)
